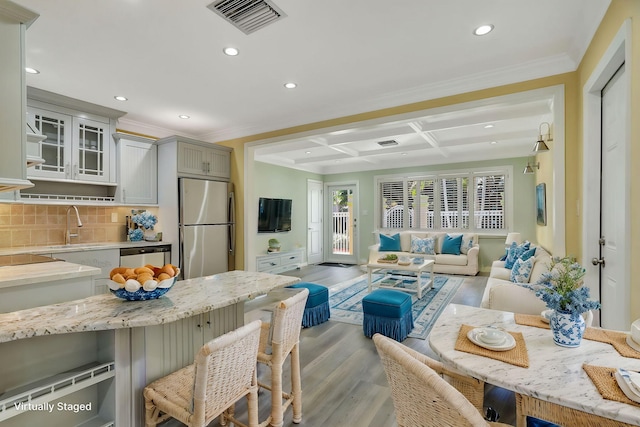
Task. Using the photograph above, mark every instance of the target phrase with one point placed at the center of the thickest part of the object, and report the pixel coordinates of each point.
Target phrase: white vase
(567, 328)
(149, 235)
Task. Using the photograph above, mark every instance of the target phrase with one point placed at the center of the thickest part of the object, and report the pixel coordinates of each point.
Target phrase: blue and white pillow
(514, 252)
(521, 271)
(467, 243)
(425, 246)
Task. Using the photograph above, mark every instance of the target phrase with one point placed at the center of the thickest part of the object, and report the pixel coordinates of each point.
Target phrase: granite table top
(104, 312)
(555, 373)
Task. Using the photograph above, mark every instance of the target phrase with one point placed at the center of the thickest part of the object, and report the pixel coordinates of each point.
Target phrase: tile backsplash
(43, 225)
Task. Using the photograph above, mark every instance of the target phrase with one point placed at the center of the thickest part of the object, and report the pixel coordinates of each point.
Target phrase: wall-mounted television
(274, 215)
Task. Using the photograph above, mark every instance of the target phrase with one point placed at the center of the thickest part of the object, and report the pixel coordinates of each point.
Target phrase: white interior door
(614, 288)
(315, 205)
(342, 218)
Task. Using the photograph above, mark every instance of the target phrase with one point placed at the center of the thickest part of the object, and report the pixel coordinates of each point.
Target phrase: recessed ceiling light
(494, 142)
(404, 154)
(31, 70)
(231, 51)
(307, 152)
(290, 85)
(483, 29)
(488, 126)
(184, 116)
(120, 98)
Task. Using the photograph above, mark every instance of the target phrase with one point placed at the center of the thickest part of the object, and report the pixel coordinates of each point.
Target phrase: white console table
(278, 262)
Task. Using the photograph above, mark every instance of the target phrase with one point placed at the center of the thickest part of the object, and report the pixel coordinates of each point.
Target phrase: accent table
(554, 385)
(416, 268)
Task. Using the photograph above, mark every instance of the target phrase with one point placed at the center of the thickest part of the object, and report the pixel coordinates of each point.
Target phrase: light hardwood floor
(343, 382)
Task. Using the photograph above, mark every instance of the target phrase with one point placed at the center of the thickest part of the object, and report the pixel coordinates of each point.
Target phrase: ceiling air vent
(388, 143)
(248, 15)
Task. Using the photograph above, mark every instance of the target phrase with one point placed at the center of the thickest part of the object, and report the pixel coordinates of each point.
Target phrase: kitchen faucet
(68, 235)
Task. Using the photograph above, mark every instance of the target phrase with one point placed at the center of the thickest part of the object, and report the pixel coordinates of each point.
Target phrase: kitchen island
(101, 351)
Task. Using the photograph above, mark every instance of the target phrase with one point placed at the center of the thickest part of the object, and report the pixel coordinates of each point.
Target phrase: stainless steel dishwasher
(143, 255)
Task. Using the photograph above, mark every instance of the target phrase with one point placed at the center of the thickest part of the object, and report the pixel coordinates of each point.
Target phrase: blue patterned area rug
(345, 300)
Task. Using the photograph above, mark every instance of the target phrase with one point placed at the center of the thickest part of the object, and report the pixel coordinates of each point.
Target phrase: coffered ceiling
(346, 57)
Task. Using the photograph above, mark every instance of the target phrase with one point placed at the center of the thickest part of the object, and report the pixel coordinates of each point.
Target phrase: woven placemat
(605, 381)
(617, 339)
(530, 320)
(516, 356)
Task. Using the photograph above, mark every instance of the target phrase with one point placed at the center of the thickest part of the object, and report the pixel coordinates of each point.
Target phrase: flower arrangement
(145, 220)
(562, 288)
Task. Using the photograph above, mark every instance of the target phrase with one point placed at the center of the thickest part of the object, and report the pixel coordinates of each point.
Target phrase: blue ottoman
(316, 310)
(387, 312)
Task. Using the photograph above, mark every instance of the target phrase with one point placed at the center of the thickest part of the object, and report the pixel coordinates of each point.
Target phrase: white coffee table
(421, 285)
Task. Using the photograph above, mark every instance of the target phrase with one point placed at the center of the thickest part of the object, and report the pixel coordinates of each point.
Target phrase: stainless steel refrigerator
(207, 227)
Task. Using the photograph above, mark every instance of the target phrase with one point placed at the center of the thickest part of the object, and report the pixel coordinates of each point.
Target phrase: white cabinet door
(90, 157)
(56, 148)
(137, 171)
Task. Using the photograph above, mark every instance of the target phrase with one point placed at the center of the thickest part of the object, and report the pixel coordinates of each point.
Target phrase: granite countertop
(19, 275)
(77, 247)
(104, 312)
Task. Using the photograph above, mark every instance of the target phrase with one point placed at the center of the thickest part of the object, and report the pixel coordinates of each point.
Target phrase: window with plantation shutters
(469, 201)
(393, 202)
(422, 202)
(489, 202)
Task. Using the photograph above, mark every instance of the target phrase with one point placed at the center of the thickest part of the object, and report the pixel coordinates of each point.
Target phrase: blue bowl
(140, 294)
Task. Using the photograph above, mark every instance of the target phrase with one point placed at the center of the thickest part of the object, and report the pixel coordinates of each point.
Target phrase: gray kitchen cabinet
(199, 159)
(137, 170)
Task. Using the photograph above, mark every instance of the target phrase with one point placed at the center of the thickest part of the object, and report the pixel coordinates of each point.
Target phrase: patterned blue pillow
(425, 246)
(521, 271)
(390, 243)
(528, 254)
(514, 252)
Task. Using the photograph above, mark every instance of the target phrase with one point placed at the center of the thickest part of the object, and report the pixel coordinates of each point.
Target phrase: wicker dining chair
(421, 398)
(224, 371)
(278, 339)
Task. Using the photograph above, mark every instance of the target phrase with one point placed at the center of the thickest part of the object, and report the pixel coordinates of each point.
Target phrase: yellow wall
(543, 234)
(618, 12)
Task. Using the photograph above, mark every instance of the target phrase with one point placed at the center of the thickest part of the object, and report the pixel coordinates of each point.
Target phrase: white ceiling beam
(428, 137)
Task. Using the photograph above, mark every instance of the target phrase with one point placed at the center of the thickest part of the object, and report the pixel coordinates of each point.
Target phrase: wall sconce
(529, 168)
(540, 144)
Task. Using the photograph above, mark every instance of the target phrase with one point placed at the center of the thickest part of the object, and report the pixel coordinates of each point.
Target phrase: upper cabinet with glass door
(76, 148)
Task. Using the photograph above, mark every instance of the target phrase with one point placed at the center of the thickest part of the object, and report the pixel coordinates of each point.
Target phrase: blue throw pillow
(528, 254)
(451, 245)
(390, 243)
(514, 252)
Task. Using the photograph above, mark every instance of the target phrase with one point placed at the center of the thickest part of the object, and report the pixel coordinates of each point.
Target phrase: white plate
(625, 385)
(634, 345)
(508, 344)
(546, 315)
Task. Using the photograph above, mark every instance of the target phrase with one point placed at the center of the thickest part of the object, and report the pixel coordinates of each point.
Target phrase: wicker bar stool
(224, 371)
(421, 398)
(277, 340)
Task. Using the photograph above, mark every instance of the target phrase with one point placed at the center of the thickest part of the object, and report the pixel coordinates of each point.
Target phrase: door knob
(596, 261)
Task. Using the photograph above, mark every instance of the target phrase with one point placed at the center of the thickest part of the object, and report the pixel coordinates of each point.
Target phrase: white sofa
(465, 263)
(502, 294)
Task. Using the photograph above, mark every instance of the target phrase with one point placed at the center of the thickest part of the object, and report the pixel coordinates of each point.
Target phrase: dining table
(553, 384)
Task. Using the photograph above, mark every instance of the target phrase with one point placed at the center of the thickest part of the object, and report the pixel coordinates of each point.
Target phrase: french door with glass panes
(342, 208)
(74, 148)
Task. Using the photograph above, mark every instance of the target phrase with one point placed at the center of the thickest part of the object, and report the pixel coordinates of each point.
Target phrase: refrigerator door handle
(232, 221)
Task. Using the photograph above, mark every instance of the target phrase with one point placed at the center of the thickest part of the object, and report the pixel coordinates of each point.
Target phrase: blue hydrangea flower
(145, 220)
